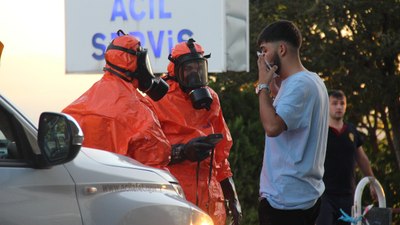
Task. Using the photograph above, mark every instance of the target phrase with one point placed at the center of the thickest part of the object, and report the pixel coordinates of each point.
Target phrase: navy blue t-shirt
(340, 161)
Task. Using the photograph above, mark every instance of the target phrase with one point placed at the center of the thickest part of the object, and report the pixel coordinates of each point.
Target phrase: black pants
(271, 216)
(330, 209)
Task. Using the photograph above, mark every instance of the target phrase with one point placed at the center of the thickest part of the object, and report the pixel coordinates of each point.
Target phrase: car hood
(115, 164)
(111, 159)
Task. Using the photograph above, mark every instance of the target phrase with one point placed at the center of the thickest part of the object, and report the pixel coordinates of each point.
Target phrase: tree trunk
(386, 128)
(394, 115)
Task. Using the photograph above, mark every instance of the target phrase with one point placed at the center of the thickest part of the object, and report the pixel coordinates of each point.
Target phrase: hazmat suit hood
(126, 59)
(189, 67)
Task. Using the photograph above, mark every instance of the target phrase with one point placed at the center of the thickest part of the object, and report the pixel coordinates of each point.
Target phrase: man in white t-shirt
(296, 129)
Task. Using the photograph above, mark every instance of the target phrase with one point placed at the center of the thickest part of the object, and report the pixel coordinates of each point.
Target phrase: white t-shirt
(293, 166)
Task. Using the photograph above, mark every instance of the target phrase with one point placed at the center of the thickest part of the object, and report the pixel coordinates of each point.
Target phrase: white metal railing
(357, 208)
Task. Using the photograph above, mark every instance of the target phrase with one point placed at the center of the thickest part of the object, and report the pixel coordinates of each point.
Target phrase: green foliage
(240, 107)
(384, 165)
(353, 46)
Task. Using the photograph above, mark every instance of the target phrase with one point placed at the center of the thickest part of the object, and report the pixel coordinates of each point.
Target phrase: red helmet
(119, 56)
(126, 59)
(189, 65)
(179, 50)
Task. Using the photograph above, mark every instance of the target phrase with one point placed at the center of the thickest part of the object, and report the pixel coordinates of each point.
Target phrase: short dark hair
(282, 30)
(339, 94)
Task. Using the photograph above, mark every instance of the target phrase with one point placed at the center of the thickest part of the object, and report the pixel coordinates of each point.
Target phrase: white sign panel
(237, 35)
(158, 24)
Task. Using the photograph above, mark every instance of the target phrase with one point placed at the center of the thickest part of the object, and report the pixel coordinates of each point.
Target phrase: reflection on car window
(8, 147)
(56, 141)
(3, 146)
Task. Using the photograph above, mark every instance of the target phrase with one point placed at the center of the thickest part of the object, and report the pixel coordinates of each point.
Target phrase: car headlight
(178, 189)
(200, 218)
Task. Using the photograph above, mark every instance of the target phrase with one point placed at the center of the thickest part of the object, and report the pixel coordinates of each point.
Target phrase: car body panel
(31, 196)
(52, 180)
(147, 197)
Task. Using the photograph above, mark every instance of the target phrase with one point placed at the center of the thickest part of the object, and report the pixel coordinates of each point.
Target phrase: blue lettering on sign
(163, 14)
(135, 16)
(119, 10)
(99, 46)
(156, 42)
(156, 47)
(113, 35)
(184, 35)
(151, 6)
(122, 9)
(170, 41)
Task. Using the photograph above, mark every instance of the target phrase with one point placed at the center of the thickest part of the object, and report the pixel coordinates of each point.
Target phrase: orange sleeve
(113, 117)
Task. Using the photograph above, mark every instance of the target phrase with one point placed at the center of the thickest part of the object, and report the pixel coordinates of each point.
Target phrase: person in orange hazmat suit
(192, 110)
(114, 115)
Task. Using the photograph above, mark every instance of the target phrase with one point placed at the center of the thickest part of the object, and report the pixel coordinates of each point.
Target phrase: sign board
(158, 24)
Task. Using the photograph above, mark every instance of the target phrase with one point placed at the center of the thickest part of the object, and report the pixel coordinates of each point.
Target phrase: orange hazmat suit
(180, 123)
(116, 117)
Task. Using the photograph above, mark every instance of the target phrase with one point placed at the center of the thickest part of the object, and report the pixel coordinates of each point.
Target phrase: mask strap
(130, 51)
(169, 77)
(117, 74)
(122, 70)
(190, 45)
(171, 59)
(128, 73)
(119, 32)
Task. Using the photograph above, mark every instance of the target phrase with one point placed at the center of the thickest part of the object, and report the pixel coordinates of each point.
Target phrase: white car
(46, 178)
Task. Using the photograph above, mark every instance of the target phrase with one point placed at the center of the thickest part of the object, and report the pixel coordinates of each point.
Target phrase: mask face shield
(153, 86)
(144, 72)
(144, 58)
(193, 73)
(193, 77)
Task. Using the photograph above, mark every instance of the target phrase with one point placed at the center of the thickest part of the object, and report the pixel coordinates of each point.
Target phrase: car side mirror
(59, 138)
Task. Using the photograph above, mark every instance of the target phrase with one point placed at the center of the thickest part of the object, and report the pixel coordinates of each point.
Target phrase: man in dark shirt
(344, 151)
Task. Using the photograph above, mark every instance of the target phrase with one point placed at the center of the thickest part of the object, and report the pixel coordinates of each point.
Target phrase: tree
(353, 46)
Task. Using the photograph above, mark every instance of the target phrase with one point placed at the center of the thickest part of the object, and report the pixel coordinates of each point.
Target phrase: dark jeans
(330, 209)
(271, 216)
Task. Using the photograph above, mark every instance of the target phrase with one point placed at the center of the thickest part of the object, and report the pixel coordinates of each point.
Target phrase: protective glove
(232, 201)
(195, 150)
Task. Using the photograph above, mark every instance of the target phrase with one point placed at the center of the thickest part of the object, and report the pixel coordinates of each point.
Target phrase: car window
(10, 144)
(3, 145)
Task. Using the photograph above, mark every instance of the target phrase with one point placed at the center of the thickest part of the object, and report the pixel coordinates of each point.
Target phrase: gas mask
(191, 71)
(153, 86)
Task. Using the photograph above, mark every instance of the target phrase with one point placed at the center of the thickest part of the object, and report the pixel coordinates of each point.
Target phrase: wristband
(262, 86)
